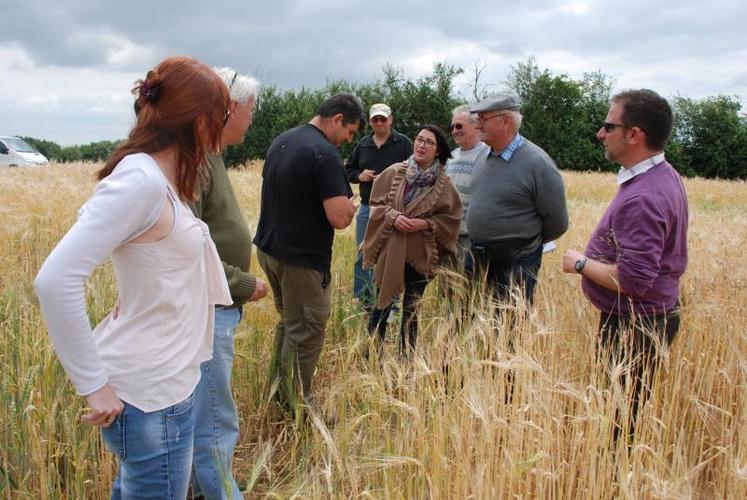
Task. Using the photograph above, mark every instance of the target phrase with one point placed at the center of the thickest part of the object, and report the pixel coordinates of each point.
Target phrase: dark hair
(443, 152)
(649, 111)
(345, 104)
(182, 103)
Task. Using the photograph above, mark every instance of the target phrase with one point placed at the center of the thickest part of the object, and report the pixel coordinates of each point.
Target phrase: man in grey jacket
(517, 201)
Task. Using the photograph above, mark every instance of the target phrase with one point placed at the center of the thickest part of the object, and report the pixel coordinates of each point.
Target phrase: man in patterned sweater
(459, 168)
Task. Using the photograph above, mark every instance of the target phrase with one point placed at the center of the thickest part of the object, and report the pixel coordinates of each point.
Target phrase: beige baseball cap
(380, 110)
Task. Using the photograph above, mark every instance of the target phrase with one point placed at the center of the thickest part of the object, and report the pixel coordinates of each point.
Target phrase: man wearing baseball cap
(517, 201)
(383, 147)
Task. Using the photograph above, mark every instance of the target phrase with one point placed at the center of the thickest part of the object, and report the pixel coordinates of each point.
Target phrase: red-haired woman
(139, 367)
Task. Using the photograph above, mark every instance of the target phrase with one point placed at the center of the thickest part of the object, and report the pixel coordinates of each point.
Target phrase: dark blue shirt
(367, 156)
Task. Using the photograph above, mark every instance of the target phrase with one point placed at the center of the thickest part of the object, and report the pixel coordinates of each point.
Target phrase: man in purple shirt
(633, 262)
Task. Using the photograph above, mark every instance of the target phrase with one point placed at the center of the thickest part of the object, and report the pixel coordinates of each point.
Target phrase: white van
(15, 152)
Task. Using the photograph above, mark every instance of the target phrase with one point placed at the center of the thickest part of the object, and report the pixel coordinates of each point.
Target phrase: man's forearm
(602, 274)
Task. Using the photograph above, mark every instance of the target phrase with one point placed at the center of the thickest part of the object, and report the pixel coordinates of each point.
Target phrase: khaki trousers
(302, 299)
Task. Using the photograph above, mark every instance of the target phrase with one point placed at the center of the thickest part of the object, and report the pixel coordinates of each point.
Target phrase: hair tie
(149, 92)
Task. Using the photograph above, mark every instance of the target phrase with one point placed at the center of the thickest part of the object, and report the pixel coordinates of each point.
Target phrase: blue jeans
(217, 427)
(154, 451)
(363, 287)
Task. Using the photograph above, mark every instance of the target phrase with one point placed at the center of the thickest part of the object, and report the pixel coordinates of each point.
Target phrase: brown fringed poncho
(387, 250)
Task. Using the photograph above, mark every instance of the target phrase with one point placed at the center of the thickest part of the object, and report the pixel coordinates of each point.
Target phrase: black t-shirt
(367, 156)
(302, 169)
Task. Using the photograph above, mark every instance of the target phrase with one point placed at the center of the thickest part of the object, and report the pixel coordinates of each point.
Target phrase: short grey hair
(515, 117)
(241, 87)
(464, 108)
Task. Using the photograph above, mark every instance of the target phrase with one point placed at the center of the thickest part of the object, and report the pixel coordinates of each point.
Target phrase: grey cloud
(294, 43)
(69, 126)
(740, 80)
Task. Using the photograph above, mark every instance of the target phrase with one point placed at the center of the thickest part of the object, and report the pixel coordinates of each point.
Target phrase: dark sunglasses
(457, 126)
(609, 127)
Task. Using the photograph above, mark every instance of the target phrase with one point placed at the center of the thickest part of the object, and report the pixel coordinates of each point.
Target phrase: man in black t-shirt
(305, 197)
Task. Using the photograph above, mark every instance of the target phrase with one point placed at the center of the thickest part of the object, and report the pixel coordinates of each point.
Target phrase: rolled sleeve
(240, 283)
(640, 229)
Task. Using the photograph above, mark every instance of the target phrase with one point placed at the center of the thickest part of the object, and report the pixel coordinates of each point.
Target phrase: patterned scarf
(419, 180)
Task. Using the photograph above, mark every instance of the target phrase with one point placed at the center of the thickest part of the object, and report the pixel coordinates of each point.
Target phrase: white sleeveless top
(151, 353)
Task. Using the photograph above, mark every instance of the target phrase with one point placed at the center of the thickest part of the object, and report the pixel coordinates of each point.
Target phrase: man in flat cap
(383, 147)
(517, 201)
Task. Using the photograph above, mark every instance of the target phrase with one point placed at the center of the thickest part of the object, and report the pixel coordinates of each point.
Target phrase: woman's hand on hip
(103, 407)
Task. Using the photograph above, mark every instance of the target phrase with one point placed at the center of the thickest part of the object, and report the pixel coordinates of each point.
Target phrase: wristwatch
(579, 265)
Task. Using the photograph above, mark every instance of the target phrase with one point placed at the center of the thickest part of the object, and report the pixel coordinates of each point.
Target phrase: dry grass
(415, 430)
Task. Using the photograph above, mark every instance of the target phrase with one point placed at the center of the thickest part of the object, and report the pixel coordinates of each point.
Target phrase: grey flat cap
(497, 102)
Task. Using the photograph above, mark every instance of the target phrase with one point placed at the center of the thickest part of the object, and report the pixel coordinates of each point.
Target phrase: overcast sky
(66, 66)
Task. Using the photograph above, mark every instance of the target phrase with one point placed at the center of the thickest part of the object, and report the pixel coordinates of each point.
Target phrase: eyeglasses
(425, 142)
(379, 118)
(456, 126)
(609, 127)
(486, 118)
(230, 86)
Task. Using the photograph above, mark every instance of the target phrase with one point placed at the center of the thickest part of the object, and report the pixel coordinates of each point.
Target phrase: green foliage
(562, 115)
(94, 151)
(98, 151)
(428, 99)
(276, 112)
(710, 137)
(51, 150)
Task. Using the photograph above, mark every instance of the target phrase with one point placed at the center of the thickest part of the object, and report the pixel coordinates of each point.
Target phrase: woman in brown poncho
(414, 224)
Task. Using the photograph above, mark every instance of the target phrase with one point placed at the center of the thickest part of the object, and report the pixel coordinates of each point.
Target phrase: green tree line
(95, 151)
(561, 114)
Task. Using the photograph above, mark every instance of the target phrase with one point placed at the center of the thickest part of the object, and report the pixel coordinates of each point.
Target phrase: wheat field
(394, 428)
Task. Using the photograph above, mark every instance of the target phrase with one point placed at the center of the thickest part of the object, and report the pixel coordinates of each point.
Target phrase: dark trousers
(415, 284)
(302, 300)
(462, 261)
(503, 272)
(636, 341)
(456, 283)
